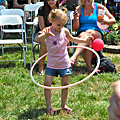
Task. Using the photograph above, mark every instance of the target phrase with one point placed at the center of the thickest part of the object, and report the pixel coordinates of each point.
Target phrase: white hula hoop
(67, 86)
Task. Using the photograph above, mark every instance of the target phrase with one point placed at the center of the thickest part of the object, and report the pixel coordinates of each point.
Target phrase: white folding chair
(40, 3)
(34, 44)
(6, 4)
(105, 2)
(71, 28)
(69, 25)
(19, 12)
(31, 8)
(12, 20)
(70, 21)
(1, 7)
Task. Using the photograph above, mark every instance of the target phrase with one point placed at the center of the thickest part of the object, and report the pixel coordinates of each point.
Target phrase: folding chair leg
(33, 54)
(31, 57)
(2, 49)
(26, 41)
(24, 57)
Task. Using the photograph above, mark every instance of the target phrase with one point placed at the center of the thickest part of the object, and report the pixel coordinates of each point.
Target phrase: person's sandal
(51, 111)
(97, 72)
(67, 110)
(40, 73)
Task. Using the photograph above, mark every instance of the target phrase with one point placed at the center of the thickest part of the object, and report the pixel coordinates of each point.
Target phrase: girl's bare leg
(47, 92)
(65, 81)
(42, 51)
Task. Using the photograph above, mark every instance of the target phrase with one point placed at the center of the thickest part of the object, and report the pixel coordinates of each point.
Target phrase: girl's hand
(89, 39)
(47, 32)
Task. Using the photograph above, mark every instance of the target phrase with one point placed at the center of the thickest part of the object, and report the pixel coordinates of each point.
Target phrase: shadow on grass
(7, 65)
(11, 50)
(79, 69)
(34, 114)
(36, 68)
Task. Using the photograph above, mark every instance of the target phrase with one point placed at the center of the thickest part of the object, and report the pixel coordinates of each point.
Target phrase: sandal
(72, 62)
(40, 73)
(51, 112)
(67, 110)
(97, 72)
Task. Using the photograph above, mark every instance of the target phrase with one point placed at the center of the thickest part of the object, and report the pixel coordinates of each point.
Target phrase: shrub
(112, 34)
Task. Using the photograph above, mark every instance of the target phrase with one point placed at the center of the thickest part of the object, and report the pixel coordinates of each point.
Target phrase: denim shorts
(56, 72)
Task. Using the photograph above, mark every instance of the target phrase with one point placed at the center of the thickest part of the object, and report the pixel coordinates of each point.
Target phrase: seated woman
(69, 4)
(20, 4)
(85, 22)
(2, 2)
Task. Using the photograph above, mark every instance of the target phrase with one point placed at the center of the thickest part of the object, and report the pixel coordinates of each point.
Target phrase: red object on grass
(97, 44)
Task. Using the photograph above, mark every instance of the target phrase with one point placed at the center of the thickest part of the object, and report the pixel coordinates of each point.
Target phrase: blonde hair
(58, 14)
(81, 3)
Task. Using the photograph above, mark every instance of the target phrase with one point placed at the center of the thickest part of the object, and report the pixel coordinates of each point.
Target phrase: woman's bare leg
(78, 51)
(86, 53)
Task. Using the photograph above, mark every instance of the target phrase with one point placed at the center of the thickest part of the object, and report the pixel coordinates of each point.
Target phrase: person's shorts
(56, 72)
(84, 31)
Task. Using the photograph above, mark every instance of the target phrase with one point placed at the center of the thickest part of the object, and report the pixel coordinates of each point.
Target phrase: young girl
(58, 63)
(43, 22)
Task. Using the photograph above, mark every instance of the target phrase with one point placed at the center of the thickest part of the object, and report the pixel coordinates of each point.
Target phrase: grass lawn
(21, 99)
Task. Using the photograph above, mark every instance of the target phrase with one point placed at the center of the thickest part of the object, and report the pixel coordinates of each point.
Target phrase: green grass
(21, 99)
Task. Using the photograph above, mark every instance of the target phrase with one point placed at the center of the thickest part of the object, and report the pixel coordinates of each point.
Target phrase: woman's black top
(22, 2)
(41, 12)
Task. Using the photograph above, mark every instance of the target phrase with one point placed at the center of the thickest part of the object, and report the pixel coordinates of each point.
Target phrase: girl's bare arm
(43, 35)
(76, 39)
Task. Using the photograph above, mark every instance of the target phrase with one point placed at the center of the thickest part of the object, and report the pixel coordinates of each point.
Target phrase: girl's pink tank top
(58, 57)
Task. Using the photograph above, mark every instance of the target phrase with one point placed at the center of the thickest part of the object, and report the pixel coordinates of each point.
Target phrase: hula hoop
(117, 67)
(67, 86)
(62, 1)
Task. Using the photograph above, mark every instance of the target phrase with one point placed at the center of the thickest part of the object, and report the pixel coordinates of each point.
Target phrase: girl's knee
(47, 83)
(65, 82)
